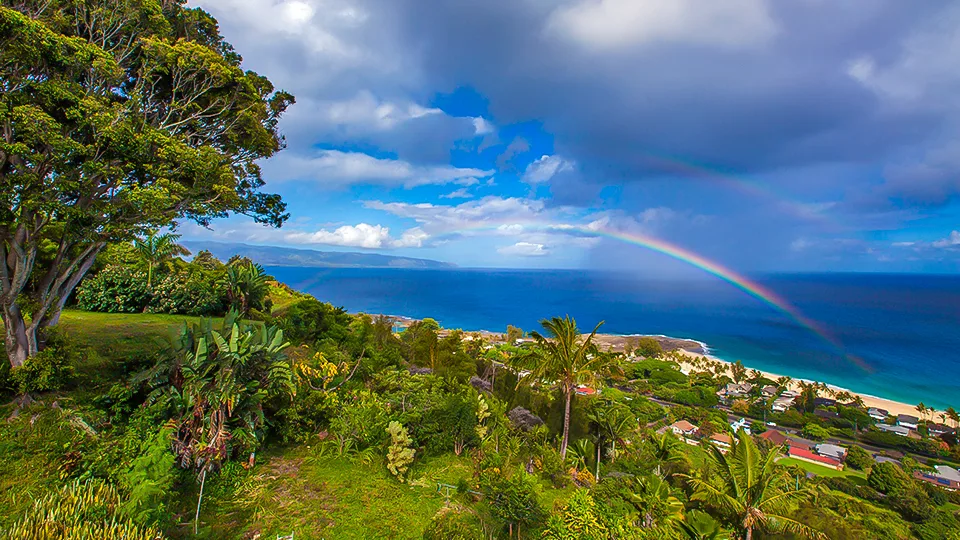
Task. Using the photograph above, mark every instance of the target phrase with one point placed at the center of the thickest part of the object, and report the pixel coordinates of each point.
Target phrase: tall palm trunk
(566, 423)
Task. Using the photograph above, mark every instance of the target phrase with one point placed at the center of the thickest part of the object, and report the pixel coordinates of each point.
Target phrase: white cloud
(461, 193)
(367, 111)
(337, 168)
(488, 212)
(524, 249)
(414, 237)
(362, 235)
(610, 24)
(482, 126)
(544, 169)
(951, 241)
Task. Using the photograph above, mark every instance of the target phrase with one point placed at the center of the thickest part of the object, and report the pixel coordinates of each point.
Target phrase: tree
(246, 285)
(738, 371)
(921, 410)
(648, 347)
(954, 416)
(666, 450)
(423, 342)
(513, 333)
(567, 358)
(399, 454)
(783, 383)
(858, 458)
(577, 518)
(654, 499)
(614, 424)
(750, 489)
(156, 248)
(807, 400)
(117, 117)
(888, 478)
(815, 431)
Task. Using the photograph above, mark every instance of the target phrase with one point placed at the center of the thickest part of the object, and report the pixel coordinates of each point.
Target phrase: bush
(189, 294)
(115, 289)
(887, 478)
(49, 369)
(858, 458)
(454, 523)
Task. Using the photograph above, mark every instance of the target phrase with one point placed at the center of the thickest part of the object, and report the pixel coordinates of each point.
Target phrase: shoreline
(693, 349)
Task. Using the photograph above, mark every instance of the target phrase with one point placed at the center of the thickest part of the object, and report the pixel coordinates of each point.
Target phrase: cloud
(361, 235)
(482, 126)
(486, 213)
(545, 168)
(951, 241)
(611, 24)
(337, 168)
(524, 249)
(462, 193)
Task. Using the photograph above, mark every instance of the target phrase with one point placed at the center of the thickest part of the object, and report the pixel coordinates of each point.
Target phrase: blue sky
(810, 135)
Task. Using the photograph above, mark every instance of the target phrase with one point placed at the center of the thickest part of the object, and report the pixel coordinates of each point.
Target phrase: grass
(331, 497)
(821, 470)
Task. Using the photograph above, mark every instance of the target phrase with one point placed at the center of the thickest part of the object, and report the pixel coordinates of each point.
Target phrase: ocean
(904, 328)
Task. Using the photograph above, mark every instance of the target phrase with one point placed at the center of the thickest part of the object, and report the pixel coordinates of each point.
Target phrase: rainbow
(674, 251)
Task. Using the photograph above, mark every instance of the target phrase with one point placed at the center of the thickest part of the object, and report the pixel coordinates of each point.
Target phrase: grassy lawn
(328, 497)
(820, 470)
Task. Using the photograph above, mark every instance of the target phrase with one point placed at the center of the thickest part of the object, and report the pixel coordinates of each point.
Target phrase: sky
(813, 135)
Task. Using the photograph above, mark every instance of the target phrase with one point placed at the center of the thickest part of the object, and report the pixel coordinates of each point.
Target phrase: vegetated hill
(283, 256)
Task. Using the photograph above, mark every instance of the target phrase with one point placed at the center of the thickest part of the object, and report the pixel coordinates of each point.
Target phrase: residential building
(804, 454)
(899, 430)
(741, 424)
(722, 441)
(585, 391)
(684, 429)
(824, 402)
(797, 442)
(782, 404)
(878, 414)
(945, 477)
(769, 391)
(735, 390)
(939, 429)
(833, 451)
(908, 421)
(775, 437)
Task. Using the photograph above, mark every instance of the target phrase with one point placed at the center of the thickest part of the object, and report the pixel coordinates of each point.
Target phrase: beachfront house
(943, 476)
(878, 414)
(735, 390)
(797, 442)
(825, 414)
(774, 437)
(833, 451)
(907, 421)
(782, 404)
(939, 429)
(899, 430)
(824, 402)
(684, 429)
(768, 391)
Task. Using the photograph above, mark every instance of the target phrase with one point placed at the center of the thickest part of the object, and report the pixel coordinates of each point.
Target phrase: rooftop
(683, 425)
(774, 437)
(907, 418)
(722, 438)
(807, 454)
(948, 472)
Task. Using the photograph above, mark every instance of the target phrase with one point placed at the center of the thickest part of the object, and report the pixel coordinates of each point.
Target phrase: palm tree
(751, 489)
(922, 409)
(954, 417)
(784, 382)
(567, 358)
(615, 423)
(246, 285)
(654, 498)
(697, 525)
(156, 248)
(666, 449)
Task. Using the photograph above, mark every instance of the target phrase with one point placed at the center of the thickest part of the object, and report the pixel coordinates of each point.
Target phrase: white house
(899, 430)
(741, 424)
(908, 421)
(832, 450)
(878, 414)
(782, 404)
(684, 429)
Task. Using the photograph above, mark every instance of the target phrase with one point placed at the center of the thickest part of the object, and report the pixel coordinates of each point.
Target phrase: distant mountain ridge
(283, 256)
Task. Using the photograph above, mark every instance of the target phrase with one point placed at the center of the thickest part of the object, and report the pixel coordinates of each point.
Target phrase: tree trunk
(597, 474)
(749, 533)
(196, 519)
(16, 336)
(566, 423)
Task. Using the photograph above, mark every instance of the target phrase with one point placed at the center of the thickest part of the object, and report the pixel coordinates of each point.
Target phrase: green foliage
(189, 293)
(150, 479)
(576, 519)
(888, 478)
(246, 286)
(514, 500)
(114, 289)
(309, 321)
(79, 511)
(657, 371)
(50, 369)
(513, 333)
(858, 458)
(155, 248)
(454, 523)
(815, 431)
(648, 347)
(399, 454)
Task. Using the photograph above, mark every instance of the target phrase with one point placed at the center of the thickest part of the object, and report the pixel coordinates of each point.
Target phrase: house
(769, 391)
(735, 390)
(878, 414)
(824, 402)
(782, 404)
(907, 421)
(775, 437)
(797, 442)
(789, 394)
(585, 391)
(945, 477)
(825, 414)
(939, 429)
(899, 430)
(804, 454)
(722, 441)
(833, 451)
(684, 429)
(741, 424)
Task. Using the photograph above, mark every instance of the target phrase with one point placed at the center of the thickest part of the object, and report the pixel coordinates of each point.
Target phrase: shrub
(887, 478)
(79, 511)
(858, 458)
(49, 369)
(577, 518)
(399, 455)
(189, 294)
(454, 523)
(115, 289)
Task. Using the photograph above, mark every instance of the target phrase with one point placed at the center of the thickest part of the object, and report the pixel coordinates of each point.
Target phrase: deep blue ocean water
(906, 327)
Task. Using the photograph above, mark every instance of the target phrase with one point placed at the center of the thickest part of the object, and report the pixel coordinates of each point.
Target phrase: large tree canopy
(117, 117)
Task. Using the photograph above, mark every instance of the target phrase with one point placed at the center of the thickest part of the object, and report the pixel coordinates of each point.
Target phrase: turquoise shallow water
(906, 328)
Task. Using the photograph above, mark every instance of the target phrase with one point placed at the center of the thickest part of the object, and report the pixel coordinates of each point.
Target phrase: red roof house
(803, 454)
